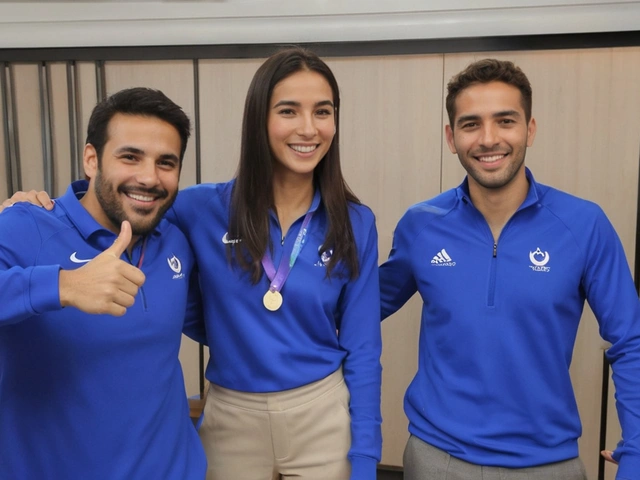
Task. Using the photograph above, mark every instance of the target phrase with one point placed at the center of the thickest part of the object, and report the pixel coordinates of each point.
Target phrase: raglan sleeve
(194, 325)
(360, 337)
(397, 281)
(612, 296)
(185, 209)
(26, 289)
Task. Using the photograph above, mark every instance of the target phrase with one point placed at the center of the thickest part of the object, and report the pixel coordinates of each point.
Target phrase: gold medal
(272, 300)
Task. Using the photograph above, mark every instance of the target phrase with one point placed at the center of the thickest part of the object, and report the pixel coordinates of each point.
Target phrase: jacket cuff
(363, 468)
(44, 288)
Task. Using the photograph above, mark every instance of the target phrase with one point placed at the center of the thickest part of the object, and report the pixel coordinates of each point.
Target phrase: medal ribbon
(286, 264)
(142, 250)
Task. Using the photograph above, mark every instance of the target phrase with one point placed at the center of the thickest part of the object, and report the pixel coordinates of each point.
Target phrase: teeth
(141, 198)
(304, 148)
(490, 159)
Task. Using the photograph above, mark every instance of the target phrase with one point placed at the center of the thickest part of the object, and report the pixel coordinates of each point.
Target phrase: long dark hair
(252, 195)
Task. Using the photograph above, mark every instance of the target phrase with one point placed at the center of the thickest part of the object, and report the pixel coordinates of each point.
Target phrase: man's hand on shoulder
(106, 284)
(41, 199)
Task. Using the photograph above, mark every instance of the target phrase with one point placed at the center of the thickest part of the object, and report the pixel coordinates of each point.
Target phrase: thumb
(122, 242)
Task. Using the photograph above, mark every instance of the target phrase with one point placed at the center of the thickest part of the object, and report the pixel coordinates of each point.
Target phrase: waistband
(278, 401)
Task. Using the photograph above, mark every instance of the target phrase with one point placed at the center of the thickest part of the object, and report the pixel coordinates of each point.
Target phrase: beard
(146, 220)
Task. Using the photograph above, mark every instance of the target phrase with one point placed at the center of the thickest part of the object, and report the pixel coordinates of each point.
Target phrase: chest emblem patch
(176, 266)
(539, 259)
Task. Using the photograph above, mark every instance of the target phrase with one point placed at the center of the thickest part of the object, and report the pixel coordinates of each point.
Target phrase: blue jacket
(256, 350)
(499, 324)
(91, 396)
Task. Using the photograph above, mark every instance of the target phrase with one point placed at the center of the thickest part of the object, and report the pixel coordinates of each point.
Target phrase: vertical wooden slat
(74, 115)
(5, 151)
(196, 140)
(101, 82)
(45, 125)
(12, 145)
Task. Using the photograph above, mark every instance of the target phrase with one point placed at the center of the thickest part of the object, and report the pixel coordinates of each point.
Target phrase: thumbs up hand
(106, 284)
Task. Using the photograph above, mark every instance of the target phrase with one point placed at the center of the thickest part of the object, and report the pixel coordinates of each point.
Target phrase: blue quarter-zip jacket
(499, 323)
(256, 350)
(91, 396)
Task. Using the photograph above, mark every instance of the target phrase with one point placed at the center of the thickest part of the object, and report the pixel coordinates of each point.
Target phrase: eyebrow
(501, 114)
(138, 151)
(293, 103)
(129, 149)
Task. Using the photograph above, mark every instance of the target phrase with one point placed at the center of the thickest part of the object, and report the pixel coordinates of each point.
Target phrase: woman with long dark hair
(288, 265)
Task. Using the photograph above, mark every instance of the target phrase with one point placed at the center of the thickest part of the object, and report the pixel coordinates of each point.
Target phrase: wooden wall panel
(585, 104)
(176, 80)
(29, 124)
(390, 130)
(87, 97)
(223, 88)
(61, 146)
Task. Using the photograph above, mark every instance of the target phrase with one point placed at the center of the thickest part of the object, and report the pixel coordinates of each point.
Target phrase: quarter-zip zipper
(491, 297)
(491, 292)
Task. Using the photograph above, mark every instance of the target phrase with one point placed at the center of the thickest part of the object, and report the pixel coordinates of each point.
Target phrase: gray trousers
(425, 462)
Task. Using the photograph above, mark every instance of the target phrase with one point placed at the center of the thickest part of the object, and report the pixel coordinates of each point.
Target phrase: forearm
(25, 292)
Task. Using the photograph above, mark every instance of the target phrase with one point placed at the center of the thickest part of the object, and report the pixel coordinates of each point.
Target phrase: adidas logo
(442, 259)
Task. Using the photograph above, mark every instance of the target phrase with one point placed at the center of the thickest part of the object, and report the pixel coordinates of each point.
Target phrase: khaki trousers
(425, 462)
(303, 433)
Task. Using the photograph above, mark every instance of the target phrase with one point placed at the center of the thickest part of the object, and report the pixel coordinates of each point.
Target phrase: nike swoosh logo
(75, 259)
(227, 240)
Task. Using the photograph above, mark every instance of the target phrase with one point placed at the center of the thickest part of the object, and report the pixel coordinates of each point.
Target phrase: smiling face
(300, 123)
(136, 178)
(490, 135)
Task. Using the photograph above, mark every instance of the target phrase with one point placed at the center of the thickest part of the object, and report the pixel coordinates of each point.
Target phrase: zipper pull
(495, 250)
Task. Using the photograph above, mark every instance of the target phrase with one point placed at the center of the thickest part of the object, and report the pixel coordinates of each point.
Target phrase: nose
(307, 126)
(489, 136)
(147, 173)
